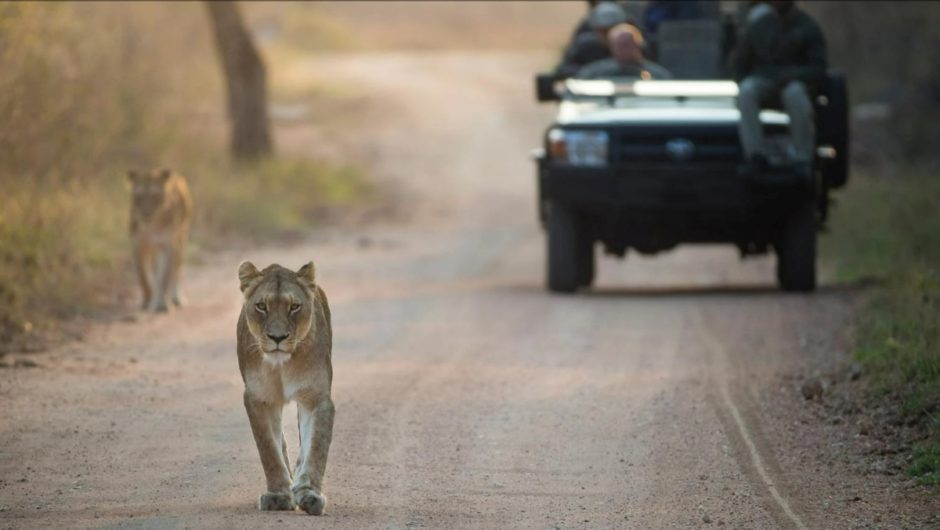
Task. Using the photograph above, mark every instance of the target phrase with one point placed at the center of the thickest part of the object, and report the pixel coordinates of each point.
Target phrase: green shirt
(782, 48)
(610, 68)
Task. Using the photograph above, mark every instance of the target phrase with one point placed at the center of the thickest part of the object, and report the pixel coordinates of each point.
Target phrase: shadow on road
(721, 290)
(718, 290)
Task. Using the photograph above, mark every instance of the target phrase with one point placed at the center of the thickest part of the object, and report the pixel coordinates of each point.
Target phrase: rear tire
(796, 250)
(566, 272)
(833, 129)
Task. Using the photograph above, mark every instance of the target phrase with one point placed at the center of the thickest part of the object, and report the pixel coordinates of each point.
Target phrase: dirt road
(466, 396)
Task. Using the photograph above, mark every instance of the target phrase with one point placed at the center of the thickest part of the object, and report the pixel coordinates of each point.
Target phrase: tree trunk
(244, 79)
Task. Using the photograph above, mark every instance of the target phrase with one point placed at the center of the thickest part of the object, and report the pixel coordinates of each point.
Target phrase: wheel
(566, 270)
(585, 259)
(796, 250)
(833, 129)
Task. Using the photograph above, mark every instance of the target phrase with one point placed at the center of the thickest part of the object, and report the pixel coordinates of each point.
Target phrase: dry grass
(89, 90)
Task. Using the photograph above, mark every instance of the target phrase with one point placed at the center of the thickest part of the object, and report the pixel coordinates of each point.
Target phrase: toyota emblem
(680, 149)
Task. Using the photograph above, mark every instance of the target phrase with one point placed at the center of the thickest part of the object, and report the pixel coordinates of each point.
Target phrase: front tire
(585, 259)
(796, 250)
(565, 271)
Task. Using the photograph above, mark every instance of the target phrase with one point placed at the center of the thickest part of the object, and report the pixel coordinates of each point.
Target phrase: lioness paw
(311, 502)
(270, 502)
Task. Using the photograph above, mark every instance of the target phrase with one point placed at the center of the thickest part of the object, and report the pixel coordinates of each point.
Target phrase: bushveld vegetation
(886, 224)
(887, 229)
(90, 90)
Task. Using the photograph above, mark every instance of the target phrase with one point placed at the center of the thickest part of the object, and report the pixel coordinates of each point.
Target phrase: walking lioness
(161, 213)
(284, 353)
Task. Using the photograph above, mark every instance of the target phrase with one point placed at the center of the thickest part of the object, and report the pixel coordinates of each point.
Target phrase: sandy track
(466, 395)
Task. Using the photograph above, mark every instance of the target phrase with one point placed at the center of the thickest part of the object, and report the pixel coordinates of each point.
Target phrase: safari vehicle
(648, 165)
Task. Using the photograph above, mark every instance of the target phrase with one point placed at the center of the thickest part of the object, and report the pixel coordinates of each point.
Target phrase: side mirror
(545, 87)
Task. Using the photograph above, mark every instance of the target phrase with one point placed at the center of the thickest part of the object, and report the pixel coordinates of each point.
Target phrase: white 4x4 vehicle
(648, 165)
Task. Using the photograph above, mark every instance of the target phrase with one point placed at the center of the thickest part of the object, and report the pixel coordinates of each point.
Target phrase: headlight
(578, 148)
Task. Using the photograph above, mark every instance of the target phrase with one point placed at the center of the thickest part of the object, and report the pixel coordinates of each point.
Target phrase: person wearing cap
(589, 42)
(781, 57)
(627, 61)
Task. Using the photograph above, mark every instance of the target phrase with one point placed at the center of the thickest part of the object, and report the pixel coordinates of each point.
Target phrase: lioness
(161, 214)
(284, 353)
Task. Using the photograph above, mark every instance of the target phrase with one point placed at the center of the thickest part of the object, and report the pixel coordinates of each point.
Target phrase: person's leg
(796, 102)
(752, 92)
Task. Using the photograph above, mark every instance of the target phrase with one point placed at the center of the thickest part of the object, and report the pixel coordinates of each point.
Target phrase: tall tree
(245, 79)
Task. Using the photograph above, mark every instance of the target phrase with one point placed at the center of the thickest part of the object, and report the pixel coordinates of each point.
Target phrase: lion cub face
(148, 191)
(278, 307)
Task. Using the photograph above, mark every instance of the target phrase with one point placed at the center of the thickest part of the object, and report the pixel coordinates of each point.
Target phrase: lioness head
(148, 190)
(278, 307)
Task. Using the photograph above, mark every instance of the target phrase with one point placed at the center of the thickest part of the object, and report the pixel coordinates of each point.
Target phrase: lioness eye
(261, 307)
(294, 308)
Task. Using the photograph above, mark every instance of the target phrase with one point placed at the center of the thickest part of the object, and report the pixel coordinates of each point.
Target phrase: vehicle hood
(658, 111)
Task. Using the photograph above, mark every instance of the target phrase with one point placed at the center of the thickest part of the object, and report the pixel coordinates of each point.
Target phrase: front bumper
(661, 205)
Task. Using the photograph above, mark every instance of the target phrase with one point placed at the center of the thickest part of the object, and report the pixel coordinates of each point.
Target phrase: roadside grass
(889, 229)
(273, 198)
(65, 250)
(54, 246)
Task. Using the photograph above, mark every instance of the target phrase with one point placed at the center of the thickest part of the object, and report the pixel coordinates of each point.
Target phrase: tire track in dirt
(742, 427)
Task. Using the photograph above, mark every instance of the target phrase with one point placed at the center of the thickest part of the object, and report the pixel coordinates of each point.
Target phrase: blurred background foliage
(890, 52)
(89, 90)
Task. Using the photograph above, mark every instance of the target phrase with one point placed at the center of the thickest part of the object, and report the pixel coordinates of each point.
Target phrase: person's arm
(588, 71)
(814, 64)
(581, 51)
(658, 71)
(566, 66)
(742, 57)
(569, 62)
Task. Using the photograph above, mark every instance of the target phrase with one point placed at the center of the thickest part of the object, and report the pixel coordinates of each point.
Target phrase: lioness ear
(132, 175)
(247, 273)
(307, 274)
(165, 174)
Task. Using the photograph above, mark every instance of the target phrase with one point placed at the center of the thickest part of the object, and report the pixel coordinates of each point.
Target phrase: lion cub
(284, 353)
(161, 214)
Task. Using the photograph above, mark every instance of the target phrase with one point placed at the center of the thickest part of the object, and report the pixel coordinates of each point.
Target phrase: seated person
(781, 57)
(589, 42)
(626, 47)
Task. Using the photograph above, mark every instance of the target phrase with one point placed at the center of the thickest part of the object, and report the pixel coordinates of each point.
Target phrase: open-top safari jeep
(648, 165)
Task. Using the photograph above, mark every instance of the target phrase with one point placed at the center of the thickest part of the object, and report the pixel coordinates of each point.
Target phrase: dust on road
(466, 396)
